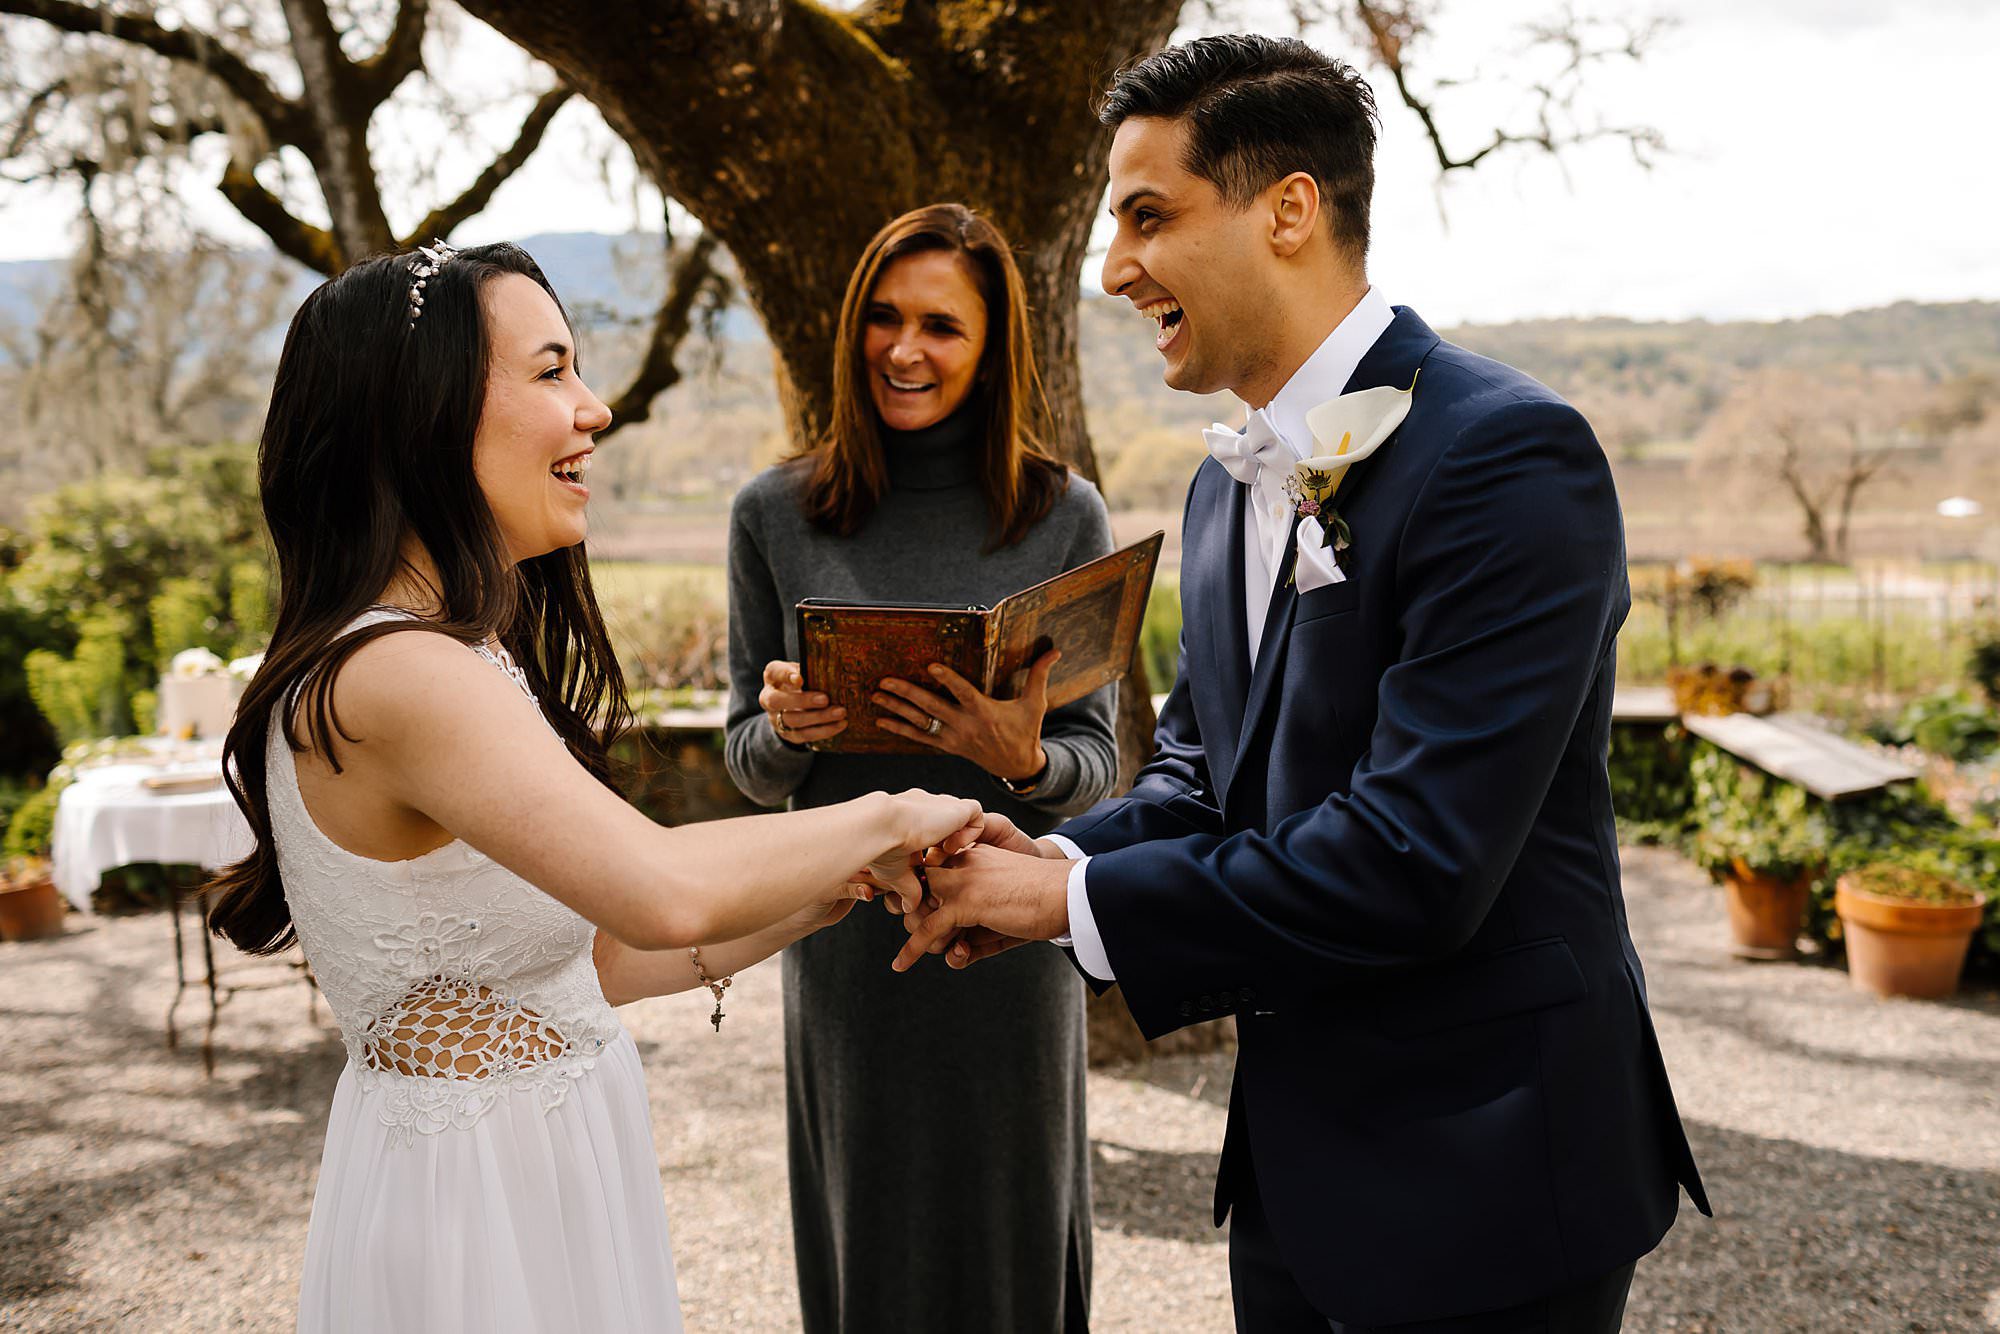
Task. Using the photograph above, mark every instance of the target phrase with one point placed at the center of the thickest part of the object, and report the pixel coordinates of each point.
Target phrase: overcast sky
(1826, 155)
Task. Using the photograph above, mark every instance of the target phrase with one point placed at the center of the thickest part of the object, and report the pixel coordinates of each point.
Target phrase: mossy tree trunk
(793, 133)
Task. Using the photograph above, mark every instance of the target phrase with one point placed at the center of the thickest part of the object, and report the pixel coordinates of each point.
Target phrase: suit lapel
(1228, 629)
(1270, 654)
(1392, 360)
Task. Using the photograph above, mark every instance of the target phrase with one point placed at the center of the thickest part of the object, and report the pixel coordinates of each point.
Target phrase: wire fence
(1848, 641)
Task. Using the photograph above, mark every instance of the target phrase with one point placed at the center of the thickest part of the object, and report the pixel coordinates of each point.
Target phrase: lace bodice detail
(453, 980)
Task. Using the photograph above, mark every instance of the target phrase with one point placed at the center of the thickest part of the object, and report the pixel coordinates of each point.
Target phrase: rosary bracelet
(701, 976)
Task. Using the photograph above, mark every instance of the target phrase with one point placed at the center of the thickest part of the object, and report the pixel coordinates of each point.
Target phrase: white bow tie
(1249, 452)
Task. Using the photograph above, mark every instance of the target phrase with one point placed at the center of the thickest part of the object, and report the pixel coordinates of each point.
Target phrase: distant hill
(620, 276)
(1960, 338)
(1647, 388)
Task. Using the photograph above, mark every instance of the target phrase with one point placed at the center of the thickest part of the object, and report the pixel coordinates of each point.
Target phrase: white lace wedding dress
(489, 1159)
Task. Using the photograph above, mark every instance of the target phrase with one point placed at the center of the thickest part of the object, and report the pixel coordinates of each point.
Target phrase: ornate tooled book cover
(1092, 613)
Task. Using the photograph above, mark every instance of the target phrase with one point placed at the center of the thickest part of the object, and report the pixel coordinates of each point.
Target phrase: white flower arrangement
(191, 663)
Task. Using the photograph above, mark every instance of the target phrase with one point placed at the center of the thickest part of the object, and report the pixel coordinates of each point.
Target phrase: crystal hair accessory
(423, 267)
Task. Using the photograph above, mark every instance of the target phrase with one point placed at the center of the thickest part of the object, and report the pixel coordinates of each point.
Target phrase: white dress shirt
(1266, 529)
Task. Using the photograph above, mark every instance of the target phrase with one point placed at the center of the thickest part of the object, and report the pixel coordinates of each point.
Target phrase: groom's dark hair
(1257, 110)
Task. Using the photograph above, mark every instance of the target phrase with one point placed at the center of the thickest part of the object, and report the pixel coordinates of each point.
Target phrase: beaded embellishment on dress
(453, 979)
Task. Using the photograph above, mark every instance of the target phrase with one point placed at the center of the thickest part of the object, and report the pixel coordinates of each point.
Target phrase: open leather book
(1092, 613)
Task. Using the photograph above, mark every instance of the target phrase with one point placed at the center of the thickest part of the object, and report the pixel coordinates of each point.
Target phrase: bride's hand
(818, 916)
(920, 821)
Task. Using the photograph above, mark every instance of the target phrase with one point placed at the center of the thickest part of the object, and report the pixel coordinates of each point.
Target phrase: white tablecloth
(107, 818)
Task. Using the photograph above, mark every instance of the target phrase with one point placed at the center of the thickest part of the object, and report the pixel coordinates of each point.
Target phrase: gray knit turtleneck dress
(940, 1172)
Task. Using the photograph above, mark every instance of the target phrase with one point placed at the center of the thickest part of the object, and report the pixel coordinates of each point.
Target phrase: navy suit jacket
(1389, 852)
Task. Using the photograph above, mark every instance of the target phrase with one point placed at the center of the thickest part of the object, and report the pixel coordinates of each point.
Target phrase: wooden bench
(1792, 746)
(1652, 705)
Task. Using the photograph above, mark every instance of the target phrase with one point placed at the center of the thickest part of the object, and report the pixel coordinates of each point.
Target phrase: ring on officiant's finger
(778, 723)
(935, 726)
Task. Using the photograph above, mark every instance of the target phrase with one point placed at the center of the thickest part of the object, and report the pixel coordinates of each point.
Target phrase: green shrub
(86, 695)
(671, 632)
(13, 792)
(1949, 722)
(185, 615)
(1910, 884)
(1160, 635)
(1651, 791)
(1983, 664)
(32, 828)
(1743, 814)
(174, 552)
(27, 743)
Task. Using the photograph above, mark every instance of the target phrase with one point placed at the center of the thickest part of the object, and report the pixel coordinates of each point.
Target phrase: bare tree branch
(1391, 26)
(401, 56)
(658, 372)
(441, 221)
(188, 45)
(311, 246)
(31, 112)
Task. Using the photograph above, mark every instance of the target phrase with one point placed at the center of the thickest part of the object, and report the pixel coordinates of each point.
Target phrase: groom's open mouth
(1168, 316)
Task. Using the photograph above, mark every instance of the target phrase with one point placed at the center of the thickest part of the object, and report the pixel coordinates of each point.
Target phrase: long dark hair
(368, 441)
(1019, 478)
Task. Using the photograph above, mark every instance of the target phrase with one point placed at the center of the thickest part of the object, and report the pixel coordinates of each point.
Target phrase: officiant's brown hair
(369, 440)
(1020, 480)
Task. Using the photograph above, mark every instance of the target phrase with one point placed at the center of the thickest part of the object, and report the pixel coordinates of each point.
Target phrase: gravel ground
(1852, 1147)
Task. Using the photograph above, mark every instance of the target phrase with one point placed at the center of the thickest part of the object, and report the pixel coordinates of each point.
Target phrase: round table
(108, 818)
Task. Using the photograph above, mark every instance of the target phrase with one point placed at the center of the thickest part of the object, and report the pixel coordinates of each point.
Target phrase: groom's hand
(1021, 894)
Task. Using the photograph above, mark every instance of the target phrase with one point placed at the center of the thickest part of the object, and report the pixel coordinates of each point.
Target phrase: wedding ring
(935, 726)
(778, 723)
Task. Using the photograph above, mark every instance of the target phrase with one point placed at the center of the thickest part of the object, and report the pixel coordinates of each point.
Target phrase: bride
(423, 761)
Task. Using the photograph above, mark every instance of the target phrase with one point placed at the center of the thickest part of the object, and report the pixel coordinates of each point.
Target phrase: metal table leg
(173, 906)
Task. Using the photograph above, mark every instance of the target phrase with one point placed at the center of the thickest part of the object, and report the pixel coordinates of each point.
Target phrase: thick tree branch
(401, 56)
(443, 220)
(311, 246)
(338, 109)
(186, 45)
(658, 371)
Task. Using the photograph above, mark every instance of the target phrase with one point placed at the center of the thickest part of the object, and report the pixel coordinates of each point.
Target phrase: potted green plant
(1766, 854)
(1907, 928)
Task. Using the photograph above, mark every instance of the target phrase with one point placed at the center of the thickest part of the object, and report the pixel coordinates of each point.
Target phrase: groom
(1377, 827)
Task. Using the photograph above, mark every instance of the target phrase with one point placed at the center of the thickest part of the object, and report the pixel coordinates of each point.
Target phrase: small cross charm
(715, 988)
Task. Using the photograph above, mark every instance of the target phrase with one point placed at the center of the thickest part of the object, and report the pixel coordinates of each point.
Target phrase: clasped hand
(926, 826)
(1001, 891)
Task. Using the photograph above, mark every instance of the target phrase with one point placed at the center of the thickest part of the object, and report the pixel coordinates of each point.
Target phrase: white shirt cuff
(1083, 937)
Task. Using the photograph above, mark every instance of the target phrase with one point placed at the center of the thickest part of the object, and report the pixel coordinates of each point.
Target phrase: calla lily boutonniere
(1349, 428)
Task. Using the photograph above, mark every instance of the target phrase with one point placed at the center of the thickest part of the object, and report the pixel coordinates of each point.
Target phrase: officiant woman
(939, 1170)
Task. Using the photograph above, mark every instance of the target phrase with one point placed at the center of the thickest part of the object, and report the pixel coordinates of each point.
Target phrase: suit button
(1187, 1009)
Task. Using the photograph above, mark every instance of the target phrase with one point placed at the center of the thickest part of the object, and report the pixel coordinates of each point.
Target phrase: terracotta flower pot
(1766, 913)
(30, 908)
(1899, 948)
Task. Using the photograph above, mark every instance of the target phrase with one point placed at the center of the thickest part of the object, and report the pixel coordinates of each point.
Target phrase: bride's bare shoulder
(422, 682)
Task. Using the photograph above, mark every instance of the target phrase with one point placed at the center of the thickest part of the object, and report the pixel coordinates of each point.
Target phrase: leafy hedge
(115, 575)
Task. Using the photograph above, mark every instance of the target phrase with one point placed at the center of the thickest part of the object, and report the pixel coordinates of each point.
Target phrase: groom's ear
(1294, 204)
